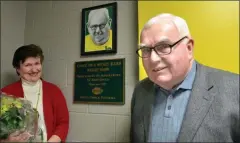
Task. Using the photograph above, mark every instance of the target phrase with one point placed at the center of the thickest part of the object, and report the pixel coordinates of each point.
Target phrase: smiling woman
(28, 62)
(45, 97)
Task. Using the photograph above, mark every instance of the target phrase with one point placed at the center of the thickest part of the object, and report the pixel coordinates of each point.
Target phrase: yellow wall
(214, 26)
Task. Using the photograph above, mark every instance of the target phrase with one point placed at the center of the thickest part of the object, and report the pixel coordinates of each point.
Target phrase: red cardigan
(55, 109)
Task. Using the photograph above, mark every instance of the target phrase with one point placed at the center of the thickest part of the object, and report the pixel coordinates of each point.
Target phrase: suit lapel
(148, 106)
(199, 103)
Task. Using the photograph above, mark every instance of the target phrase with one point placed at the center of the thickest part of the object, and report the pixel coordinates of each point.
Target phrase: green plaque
(100, 81)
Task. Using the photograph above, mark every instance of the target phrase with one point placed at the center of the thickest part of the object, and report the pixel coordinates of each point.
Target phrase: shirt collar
(188, 81)
(29, 83)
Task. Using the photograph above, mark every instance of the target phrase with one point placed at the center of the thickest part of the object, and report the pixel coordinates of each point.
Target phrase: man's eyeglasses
(100, 26)
(161, 49)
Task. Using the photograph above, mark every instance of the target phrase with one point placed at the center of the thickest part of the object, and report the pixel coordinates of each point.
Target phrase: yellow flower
(7, 102)
(17, 103)
(4, 108)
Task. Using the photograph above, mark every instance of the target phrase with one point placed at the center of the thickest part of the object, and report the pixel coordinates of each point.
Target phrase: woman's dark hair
(24, 52)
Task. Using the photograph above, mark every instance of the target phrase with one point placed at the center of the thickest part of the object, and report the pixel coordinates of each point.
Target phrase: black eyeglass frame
(154, 48)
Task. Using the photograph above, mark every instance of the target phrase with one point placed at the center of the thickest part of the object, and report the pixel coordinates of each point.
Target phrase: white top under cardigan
(31, 90)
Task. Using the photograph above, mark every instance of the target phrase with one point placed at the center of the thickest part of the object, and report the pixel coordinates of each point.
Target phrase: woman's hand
(17, 137)
(55, 139)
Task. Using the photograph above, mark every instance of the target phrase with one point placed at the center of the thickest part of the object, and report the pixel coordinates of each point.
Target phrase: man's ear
(190, 45)
(87, 25)
(109, 22)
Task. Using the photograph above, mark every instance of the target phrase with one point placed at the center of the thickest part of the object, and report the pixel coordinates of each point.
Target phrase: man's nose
(97, 29)
(154, 57)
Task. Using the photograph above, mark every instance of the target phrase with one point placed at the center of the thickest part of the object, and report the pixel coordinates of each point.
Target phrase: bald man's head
(99, 24)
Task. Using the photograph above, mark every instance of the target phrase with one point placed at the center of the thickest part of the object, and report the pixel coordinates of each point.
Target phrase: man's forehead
(158, 33)
(97, 19)
(150, 42)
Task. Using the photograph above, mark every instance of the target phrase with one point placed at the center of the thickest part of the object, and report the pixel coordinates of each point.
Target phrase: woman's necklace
(38, 95)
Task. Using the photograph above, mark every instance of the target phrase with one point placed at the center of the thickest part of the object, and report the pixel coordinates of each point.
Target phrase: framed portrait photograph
(99, 29)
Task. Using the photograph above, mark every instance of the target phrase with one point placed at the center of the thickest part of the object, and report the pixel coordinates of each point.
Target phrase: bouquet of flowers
(17, 115)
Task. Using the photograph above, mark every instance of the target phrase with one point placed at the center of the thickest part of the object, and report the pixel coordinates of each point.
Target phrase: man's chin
(162, 79)
(100, 41)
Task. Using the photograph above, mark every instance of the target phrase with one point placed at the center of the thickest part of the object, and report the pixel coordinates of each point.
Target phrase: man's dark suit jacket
(212, 113)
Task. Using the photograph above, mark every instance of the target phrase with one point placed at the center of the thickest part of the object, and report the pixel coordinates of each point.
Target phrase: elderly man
(100, 33)
(181, 100)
